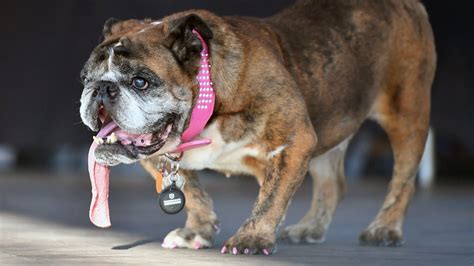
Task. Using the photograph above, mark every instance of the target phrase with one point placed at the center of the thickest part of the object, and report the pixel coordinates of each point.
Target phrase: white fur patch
(111, 76)
(131, 114)
(110, 59)
(173, 240)
(276, 151)
(139, 112)
(326, 165)
(312, 240)
(219, 155)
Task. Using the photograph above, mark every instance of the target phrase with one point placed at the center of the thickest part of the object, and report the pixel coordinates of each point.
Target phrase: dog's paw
(249, 245)
(186, 238)
(381, 236)
(303, 233)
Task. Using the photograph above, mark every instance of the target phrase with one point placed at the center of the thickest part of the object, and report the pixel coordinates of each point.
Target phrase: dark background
(45, 43)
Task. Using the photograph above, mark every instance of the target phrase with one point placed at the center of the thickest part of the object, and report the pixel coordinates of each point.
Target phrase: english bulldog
(288, 93)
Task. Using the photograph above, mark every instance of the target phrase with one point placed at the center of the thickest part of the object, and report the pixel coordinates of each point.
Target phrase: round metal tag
(172, 199)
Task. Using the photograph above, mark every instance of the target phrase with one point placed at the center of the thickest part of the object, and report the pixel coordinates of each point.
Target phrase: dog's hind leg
(201, 225)
(403, 112)
(327, 171)
(402, 108)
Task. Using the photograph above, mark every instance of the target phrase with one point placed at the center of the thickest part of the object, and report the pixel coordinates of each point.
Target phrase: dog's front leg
(201, 225)
(284, 172)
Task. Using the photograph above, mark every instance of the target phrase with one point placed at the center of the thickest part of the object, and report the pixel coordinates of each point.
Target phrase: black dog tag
(172, 199)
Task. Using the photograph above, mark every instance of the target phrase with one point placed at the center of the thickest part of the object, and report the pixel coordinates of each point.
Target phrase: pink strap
(204, 105)
(192, 145)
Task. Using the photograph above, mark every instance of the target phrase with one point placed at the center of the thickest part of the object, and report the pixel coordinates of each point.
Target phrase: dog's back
(343, 53)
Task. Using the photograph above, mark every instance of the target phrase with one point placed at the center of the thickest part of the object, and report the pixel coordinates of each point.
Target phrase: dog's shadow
(137, 243)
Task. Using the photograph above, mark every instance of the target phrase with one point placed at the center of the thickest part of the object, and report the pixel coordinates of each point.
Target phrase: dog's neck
(204, 105)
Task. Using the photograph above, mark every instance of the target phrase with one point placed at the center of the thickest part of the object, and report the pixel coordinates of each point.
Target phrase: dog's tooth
(98, 140)
(113, 138)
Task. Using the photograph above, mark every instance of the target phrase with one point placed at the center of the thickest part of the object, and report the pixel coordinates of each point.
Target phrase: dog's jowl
(286, 94)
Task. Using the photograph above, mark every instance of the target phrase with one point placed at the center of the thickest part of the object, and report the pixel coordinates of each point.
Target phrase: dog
(290, 92)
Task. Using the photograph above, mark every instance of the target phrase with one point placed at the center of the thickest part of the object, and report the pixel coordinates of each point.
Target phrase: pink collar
(204, 106)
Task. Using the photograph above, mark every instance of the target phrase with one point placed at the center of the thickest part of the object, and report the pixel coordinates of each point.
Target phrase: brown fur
(307, 78)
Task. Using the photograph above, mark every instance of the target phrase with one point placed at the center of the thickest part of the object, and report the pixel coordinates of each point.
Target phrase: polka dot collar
(204, 105)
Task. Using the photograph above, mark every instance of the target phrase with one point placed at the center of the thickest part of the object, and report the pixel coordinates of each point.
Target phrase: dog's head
(142, 78)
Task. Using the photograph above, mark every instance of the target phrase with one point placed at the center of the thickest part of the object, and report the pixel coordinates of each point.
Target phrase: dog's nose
(105, 90)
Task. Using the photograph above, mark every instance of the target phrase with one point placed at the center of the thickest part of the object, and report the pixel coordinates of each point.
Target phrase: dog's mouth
(134, 144)
(111, 146)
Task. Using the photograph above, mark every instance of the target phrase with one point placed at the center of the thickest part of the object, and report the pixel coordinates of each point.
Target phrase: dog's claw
(381, 236)
(243, 243)
(224, 250)
(197, 244)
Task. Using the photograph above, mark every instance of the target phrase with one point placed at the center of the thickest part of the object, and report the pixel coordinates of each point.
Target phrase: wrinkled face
(141, 78)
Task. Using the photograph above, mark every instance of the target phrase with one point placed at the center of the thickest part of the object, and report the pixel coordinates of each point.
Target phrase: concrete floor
(44, 220)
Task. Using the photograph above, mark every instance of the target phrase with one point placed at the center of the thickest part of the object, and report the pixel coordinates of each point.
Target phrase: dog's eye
(139, 83)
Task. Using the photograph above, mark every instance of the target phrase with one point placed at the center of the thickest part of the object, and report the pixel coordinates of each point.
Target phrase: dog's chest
(220, 155)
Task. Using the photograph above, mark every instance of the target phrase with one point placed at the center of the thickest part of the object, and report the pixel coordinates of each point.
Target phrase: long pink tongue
(99, 175)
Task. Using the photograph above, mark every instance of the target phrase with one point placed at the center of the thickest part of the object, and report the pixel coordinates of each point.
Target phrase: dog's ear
(115, 26)
(183, 43)
(107, 30)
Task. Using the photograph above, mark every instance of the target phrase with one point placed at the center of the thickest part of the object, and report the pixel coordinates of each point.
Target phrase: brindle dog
(292, 89)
